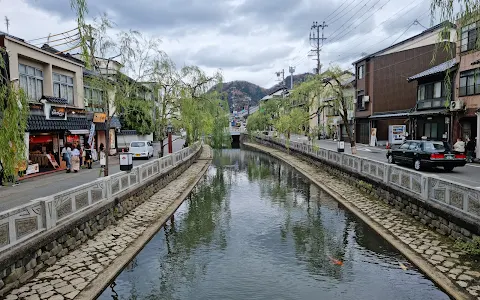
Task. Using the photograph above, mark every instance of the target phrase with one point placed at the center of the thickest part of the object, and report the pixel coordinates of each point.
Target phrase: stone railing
(24, 222)
(444, 194)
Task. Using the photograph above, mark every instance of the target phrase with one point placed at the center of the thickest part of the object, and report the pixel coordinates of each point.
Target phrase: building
(383, 95)
(431, 117)
(54, 85)
(466, 104)
(325, 111)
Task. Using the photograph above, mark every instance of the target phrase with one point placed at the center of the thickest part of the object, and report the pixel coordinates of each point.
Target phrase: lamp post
(169, 131)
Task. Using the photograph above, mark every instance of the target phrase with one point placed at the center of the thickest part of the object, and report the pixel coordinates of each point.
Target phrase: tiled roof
(114, 123)
(68, 56)
(435, 70)
(56, 100)
(40, 123)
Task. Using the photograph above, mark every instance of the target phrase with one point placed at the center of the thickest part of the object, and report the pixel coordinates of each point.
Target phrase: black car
(426, 154)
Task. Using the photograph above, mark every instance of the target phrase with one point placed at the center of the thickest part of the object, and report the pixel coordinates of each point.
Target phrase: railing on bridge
(23, 222)
(426, 187)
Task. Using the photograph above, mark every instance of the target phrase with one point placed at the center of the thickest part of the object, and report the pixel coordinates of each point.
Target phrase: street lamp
(169, 131)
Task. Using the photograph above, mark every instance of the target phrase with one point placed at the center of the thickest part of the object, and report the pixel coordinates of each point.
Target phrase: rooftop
(426, 31)
(435, 70)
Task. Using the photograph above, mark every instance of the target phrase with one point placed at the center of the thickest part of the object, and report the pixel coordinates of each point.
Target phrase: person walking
(103, 159)
(67, 155)
(76, 159)
(459, 146)
(470, 150)
(87, 153)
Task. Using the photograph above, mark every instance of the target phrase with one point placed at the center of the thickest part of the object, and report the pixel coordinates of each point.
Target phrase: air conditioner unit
(456, 105)
(366, 99)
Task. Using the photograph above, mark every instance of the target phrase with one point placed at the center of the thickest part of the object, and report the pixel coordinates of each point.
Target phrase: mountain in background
(242, 93)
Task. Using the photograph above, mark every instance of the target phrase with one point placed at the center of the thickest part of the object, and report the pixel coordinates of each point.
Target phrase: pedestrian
(470, 150)
(76, 159)
(81, 156)
(88, 156)
(103, 159)
(67, 155)
(459, 146)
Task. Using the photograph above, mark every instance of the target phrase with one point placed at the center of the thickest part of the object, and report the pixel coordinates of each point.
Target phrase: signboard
(373, 137)
(57, 112)
(99, 117)
(91, 135)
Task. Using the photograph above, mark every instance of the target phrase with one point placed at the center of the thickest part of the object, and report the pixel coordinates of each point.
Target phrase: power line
(363, 21)
(327, 18)
(346, 13)
(49, 36)
(335, 17)
(61, 39)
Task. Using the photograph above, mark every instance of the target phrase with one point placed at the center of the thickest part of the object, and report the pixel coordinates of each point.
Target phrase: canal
(257, 229)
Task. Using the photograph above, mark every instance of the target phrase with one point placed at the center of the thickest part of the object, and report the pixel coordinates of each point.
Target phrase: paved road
(469, 175)
(46, 185)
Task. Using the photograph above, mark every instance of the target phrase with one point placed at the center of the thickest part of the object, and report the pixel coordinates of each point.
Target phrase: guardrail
(23, 222)
(427, 187)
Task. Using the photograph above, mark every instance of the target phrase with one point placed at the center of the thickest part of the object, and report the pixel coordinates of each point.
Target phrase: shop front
(48, 131)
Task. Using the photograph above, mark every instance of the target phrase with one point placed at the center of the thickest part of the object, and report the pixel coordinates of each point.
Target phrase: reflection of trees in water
(317, 241)
(203, 225)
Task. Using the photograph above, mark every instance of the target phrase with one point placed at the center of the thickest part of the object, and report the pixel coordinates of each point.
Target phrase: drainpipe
(478, 134)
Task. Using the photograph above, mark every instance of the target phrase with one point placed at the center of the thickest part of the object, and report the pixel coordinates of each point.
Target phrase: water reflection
(256, 229)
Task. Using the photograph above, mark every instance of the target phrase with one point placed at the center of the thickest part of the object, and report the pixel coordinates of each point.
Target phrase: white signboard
(91, 135)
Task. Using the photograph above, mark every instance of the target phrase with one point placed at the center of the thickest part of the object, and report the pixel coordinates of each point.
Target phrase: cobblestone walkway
(75, 271)
(434, 248)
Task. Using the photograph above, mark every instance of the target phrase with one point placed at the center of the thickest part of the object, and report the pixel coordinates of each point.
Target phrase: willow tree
(197, 107)
(13, 123)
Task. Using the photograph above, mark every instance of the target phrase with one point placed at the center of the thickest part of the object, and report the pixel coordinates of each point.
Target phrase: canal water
(257, 229)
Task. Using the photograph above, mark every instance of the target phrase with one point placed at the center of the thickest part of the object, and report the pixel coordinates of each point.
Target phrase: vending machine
(396, 134)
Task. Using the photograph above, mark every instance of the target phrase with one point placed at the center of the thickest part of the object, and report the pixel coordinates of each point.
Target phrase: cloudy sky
(247, 39)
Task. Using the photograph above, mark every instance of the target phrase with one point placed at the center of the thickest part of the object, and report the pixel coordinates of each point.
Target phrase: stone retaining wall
(22, 262)
(441, 218)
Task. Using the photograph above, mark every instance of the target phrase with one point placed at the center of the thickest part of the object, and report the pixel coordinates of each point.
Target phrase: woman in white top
(459, 146)
(76, 159)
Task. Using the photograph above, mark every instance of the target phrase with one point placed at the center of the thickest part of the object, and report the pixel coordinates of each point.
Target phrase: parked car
(426, 154)
(141, 149)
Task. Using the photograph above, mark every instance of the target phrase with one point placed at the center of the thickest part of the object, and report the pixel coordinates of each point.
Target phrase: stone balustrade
(22, 223)
(457, 200)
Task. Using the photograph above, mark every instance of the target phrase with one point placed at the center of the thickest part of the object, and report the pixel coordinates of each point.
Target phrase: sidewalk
(48, 184)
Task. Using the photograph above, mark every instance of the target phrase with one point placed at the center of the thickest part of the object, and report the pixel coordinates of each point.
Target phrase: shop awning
(78, 131)
(438, 111)
(392, 115)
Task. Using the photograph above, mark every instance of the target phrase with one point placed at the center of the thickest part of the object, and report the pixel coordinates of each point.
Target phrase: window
(63, 87)
(434, 146)
(361, 71)
(469, 83)
(414, 146)
(93, 99)
(430, 130)
(470, 34)
(405, 146)
(137, 144)
(360, 103)
(431, 91)
(31, 81)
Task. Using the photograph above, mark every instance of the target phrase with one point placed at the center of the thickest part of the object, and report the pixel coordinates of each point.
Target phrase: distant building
(383, 95)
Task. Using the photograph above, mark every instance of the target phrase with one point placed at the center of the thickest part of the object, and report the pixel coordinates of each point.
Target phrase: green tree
(13, 122)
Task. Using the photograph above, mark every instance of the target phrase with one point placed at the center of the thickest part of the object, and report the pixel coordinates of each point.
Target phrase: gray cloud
(253, 25)
(223, 57)
(149, 14)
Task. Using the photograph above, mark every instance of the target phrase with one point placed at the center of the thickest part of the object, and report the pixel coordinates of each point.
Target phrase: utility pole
(292, 70)
(7, 23)
(315, 41)
(282, 72)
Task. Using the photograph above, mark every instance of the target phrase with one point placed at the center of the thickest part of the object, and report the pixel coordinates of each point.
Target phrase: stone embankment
(85, 272)
(433, 253)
